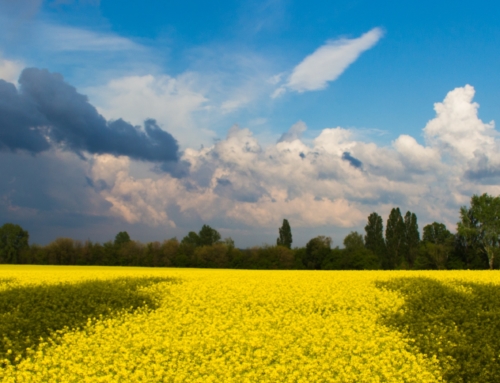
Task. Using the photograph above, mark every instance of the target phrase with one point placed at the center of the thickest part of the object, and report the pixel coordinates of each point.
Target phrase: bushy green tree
(467, 241)
(394, 237)
(436, 247)
(356, 256)
(191, 239)
(436, 233)
(317, 249)
(13, 240)
(285, 238)
(486, 209)
(122, 238)
(208, 236)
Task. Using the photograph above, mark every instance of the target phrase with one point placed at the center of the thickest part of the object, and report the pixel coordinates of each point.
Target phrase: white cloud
(133, 200)
(240, 182)
(171, 101)
(63, 38)
(234, 104)
(294, 133)
(327, 63)
(10, 70)
(414, 155)
(457, 130)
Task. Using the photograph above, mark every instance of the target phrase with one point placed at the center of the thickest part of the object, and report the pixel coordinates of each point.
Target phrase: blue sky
(359, 77)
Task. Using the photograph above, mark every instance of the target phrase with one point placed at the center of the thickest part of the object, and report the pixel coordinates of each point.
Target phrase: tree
(411, 239)
(208, 236)
(192, 239)
(394, 236)
(317, 249)
(467, 244)
(122, 238)
(436, 247)
(285, 238)
(353, 241)
(486, 209)
(356, 256)
(205, 237)
(13, 240)
(436, 233)
(374, 238)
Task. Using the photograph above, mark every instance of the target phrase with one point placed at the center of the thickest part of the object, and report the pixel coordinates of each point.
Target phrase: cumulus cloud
(10, 70)
(172, 101)
(327, 63)
(335, 180)
(457, 129)
(48, 112)
(416, 156)
(294, 133)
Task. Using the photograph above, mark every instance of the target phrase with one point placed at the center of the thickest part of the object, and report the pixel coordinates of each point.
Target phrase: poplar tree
(394, 237)
(374, 238)
(411, 239)
(285, 238)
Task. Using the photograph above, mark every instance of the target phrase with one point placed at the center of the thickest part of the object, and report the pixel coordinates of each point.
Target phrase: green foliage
(467, 241)
(270, 257)
(436, 233)
(482, 221)
(356, 256)
(394, 239)
(317, 250)
(475, 246)
(285, 238)
(353, 241)
(374, 237)
(459, 323)
(13, 240)
(436, 249)
(334, 260)
(229, 242)
(208, 236)
(29, 313)
(213, 256)
(122, 238)
(62, 251)
(192, 239)
(411, 239)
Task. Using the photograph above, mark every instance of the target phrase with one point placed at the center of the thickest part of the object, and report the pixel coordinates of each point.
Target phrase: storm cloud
(47, 111)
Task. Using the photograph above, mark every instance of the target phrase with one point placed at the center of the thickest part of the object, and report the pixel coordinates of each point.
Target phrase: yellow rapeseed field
(241, 326)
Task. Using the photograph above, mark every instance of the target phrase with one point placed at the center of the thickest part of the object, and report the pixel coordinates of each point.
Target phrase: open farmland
(193, 325)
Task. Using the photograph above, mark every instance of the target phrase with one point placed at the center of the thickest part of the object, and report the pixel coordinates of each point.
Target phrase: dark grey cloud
(18, 117)
(346, 156)
(47, 111)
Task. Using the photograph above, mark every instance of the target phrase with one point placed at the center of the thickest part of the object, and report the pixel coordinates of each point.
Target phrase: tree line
(475, 245)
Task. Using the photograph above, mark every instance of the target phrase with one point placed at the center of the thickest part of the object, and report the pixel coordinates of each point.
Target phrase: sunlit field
(111, 324)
